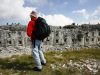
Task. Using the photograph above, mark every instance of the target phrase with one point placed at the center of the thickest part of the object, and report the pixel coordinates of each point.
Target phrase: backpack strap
(33, 43)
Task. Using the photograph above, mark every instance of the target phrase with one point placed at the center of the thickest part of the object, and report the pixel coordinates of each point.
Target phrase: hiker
(36, 43)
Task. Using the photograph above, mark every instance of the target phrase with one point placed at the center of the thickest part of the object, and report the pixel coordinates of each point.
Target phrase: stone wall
(73, 38)
(59, 37)
(13, 38)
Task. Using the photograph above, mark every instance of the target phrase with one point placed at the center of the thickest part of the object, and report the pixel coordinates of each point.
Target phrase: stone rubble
(10, 51)
(90, 65)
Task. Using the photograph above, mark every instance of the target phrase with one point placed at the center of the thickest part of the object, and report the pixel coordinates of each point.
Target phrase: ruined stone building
(68, 36)
(12, 36)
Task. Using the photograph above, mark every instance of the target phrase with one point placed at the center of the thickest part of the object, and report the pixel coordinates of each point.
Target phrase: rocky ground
(90, 66)
(9, 51)
(60, 62)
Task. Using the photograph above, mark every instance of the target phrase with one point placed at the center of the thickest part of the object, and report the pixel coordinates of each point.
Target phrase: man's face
(32, 16)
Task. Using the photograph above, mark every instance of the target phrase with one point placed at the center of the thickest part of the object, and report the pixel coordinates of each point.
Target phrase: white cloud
(14, 9)
(93, 21)
(82, 12)
(83, 1)
(93, 17)
(96, 12)
(58, 20)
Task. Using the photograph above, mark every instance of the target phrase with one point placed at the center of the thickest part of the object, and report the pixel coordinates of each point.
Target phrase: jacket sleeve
(30, 28)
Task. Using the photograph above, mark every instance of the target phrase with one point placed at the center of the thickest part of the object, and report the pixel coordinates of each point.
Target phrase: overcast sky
(56, 12)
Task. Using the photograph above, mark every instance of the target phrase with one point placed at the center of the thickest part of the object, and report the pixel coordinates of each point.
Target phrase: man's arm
(30, 28)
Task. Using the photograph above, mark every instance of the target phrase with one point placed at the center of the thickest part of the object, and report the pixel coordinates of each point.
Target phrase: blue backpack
(42, 29)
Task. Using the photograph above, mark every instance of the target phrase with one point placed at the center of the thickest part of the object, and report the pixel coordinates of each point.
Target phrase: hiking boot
(37, 69)
(43, 64)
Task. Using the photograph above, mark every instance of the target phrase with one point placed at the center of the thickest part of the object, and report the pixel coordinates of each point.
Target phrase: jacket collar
(34, 19)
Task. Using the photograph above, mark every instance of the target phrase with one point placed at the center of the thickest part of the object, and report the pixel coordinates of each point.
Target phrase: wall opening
(92, 33)
(20, 42)
(9, 42)
(98, 39)
(56, 40)
(65, 40)
(99, 33)
(92, 39)
(0, 42)
(87, 40)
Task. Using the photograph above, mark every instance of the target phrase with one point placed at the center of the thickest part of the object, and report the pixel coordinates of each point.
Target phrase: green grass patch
(22, 65)
(82, 54)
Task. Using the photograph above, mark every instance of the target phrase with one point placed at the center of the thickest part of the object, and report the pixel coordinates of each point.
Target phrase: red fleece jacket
(31, 28)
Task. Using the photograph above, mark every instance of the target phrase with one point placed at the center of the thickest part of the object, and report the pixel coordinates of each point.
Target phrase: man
(36, 43)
